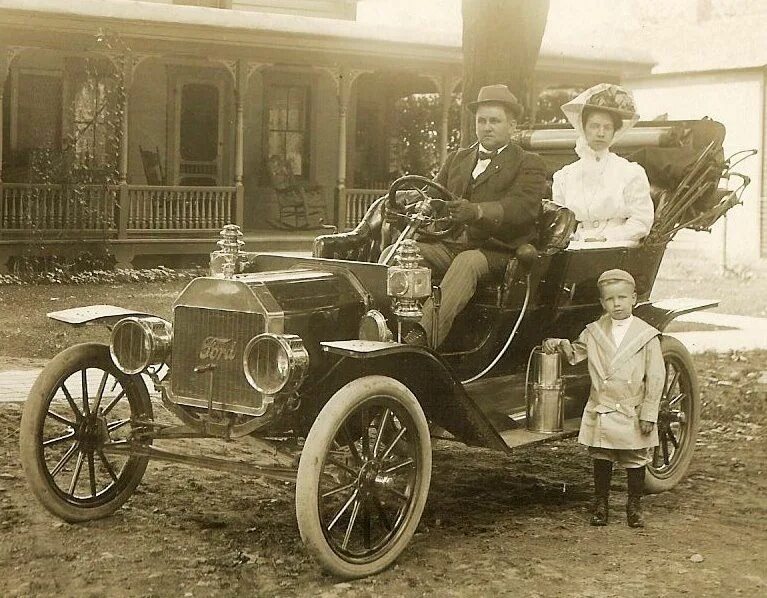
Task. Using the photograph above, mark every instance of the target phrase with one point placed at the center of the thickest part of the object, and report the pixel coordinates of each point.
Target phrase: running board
(523, 437)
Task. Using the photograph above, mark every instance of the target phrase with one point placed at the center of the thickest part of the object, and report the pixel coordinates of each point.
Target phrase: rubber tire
(319, 439)
(72, 360)
(671, 347)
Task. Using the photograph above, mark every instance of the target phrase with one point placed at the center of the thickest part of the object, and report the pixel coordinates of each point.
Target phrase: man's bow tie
(487, 155)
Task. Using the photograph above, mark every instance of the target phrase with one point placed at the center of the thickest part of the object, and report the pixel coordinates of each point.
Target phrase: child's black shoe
(636, 477)
(634, 512)
(600, 511)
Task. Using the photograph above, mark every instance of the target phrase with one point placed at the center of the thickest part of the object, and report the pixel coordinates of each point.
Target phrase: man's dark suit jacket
(510, 191)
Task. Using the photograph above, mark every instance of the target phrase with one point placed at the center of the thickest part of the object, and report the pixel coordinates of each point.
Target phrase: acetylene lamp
(224, 261)
(408, 283)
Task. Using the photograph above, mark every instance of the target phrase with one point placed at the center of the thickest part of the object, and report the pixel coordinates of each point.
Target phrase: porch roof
(155, 26)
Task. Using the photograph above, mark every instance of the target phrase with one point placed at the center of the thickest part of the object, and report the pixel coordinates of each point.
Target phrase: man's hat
(615, 275)
(497, 94)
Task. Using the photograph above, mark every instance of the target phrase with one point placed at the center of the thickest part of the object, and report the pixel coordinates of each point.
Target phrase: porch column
(4, 69)
(444, 84)
(533, 92)
(240, 70)
(344, 79)
(240, 90)
(446, 88)
(5, 64)
(128, 67)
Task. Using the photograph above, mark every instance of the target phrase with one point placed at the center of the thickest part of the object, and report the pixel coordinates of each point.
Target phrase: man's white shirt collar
(482, 148)
(483, 164)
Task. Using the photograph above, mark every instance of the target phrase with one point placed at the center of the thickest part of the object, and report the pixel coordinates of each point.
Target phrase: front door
(199, 133)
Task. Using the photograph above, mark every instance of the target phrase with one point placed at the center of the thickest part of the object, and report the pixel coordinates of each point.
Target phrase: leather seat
(555, 227)
(363, 243)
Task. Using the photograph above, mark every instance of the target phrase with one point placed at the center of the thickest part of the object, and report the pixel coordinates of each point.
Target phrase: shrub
(72, 276)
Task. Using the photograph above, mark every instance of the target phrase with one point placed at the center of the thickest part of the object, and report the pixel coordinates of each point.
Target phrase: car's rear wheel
(363, 477)
(79, 404)
(678, 419)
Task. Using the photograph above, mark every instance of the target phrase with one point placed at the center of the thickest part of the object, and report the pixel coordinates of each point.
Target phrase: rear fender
(107, 315)
(660, 313)
(439, 392)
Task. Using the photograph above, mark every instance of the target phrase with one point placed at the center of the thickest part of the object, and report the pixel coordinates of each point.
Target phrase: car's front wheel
(363, 477)
(678, 419)
(78, 406)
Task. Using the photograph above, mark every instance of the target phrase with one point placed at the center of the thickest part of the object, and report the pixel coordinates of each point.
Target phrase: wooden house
(259, 112)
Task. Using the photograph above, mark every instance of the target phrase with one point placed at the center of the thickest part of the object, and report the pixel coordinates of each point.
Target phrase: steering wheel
(429, 217)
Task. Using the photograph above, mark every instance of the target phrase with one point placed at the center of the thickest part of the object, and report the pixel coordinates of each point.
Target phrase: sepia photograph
(383, 298)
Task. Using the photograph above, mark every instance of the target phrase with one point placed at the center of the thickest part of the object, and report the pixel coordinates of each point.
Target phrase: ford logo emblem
(216, 348)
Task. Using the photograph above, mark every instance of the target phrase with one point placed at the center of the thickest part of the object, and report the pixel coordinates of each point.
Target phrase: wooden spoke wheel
(363, 477)
(678, 419)
(80, 404)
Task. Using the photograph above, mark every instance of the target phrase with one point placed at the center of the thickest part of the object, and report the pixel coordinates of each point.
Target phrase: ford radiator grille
(209, 343)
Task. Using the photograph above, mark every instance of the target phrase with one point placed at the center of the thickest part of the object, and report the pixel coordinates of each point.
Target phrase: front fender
(439, 392)
(94, 314)
(660, 313)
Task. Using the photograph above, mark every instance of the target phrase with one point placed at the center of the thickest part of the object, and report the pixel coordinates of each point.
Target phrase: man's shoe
(600, 511)
(416, 336)
(634, 516)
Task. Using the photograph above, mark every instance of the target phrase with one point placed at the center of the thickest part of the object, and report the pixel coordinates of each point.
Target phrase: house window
(288, 107)
(92, 127)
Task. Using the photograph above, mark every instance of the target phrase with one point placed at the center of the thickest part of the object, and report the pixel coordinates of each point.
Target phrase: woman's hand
(646, 427)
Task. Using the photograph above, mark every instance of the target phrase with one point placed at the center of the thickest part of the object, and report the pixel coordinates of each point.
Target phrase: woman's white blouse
(609, 196)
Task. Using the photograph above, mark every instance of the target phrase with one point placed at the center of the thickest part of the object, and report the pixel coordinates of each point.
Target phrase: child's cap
(616, 275)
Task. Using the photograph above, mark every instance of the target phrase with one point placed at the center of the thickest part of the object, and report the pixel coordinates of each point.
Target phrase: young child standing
(627, 377)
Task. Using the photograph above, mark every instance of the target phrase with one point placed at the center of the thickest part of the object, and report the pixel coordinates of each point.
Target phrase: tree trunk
(501, 42)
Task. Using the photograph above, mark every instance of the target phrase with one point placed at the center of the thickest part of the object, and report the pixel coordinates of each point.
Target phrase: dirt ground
(494, 525)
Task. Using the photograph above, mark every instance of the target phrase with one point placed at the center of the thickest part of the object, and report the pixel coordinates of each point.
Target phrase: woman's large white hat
(606, 97)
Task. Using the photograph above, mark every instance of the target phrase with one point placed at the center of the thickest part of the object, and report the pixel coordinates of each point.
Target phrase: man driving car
(499, 186)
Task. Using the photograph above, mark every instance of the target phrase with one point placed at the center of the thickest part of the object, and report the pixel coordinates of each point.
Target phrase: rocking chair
(152, 166)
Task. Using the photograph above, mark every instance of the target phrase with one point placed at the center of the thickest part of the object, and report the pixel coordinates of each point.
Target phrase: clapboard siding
(338, 9)
(763, 158)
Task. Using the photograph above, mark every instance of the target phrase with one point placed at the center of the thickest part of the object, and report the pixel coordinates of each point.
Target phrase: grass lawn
(742, 292)
(27, 332)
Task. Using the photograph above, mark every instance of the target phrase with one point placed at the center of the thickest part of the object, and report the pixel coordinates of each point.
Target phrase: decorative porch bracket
(344, 79)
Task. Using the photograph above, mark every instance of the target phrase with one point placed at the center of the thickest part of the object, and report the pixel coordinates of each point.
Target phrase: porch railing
(29, 206)
(357, 203)
(156, 208)
(87, 209)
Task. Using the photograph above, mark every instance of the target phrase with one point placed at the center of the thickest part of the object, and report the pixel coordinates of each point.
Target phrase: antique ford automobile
(300, 357)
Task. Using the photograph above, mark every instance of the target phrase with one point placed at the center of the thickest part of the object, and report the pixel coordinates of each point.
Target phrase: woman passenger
(609, 195)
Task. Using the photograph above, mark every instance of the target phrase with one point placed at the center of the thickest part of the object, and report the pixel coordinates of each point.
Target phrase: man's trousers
(460, 271)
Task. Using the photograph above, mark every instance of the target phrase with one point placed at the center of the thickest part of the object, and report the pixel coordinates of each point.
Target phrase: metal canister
(546, 401)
